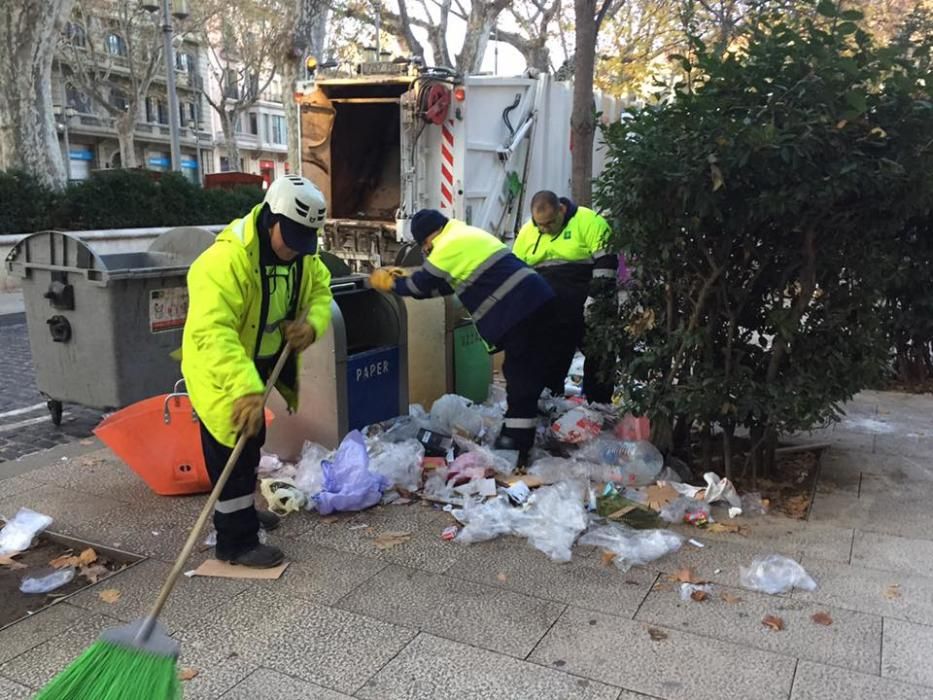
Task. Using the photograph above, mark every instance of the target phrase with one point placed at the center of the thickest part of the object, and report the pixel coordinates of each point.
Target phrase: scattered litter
(717, 571)
(633, 547)
(8, 562)
(822, 618)
(892, 591)
(633, 428)
(656, 634)
(775, 574)
(186, 674)
(659, 495)
(753, 504)
(633, 463)
(501, 578)
(282, 495)
(449, 533)
(686, 509)
(110, 595)
(725, 527)
(87, 557)
(399, 462)
(211, 539)
(436, 443)
(361, 526)
(696, 592)
(309, 475)
(388, 540)
(685, 575)
(93, 572)
(696, 543)
(722, 490)
(348, 483)
(773, 622)
(578, 425)
(456, 414)
(518, 493)
(269, 465)
(18, 533)
(49, 582)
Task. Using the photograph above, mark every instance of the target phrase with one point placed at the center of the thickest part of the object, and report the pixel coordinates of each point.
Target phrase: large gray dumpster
(102, 327)
(357, 374)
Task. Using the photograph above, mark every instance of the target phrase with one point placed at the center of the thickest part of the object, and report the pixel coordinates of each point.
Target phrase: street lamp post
(169, 51)
(66, 113)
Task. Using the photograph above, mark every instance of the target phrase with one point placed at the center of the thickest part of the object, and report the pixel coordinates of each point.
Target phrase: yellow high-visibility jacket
(223, 327)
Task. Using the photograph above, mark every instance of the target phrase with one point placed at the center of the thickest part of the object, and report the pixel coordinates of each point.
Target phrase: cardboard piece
(220, 569)
(530, 480)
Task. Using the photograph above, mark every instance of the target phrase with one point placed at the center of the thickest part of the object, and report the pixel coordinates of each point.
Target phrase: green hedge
(117, 199)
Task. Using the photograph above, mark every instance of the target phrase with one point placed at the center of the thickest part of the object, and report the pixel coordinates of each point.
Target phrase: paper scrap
(696, 543)
(221, 569)
(187, 673)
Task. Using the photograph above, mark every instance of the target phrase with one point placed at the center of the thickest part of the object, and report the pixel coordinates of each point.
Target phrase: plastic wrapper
(577, 426)
(775, 574)
(636, 463)
(348, 483)
(403, 427)
(309, 477)
(551, 520)
(553, 469)
(632, 547)
(436, 486)
(722, 490)
(282, 495)
(49, 582)
(491, 459)
(687, 590)
(752, 505)
(18, 533)
(399, 462)
(456, 414)
(685, 509)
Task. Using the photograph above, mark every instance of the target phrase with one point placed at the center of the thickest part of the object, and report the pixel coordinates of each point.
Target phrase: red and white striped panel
(447, 165)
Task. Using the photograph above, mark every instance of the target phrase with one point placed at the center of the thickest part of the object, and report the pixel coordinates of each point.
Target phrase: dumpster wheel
(55, 410)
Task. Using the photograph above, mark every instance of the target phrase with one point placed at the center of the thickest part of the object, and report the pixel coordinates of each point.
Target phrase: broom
(137, 661)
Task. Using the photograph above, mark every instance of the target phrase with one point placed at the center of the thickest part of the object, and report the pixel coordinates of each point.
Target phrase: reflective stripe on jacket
(225, 300)
(497, 288)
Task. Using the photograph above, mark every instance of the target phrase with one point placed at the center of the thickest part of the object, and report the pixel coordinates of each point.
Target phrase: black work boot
(507, 443)
(262, 556)
(267, 519)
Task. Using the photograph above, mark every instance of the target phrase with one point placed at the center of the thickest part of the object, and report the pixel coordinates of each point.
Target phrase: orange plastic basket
(159, 438)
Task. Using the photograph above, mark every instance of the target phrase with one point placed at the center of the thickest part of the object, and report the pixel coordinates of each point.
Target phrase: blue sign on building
(372, 386)
(159, 161)
(189, 163)
(81, 154)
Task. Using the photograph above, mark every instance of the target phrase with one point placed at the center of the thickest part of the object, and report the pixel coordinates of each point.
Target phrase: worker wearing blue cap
(510, 303)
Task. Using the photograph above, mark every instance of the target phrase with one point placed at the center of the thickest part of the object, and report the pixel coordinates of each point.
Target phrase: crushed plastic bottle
(47, 583)
(309, 477)
(637, 463)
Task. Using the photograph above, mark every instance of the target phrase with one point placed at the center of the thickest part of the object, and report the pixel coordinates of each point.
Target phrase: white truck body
(378, 161)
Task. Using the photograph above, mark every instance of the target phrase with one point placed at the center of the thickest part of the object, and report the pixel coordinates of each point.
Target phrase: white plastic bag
(282, 495)
(775, 574)
(18, 533)
(632, 546)
(722, 490)
(453, 414)
(309, 477)
(553, 469)
(485, 521)
(399, 463)
(47, 583)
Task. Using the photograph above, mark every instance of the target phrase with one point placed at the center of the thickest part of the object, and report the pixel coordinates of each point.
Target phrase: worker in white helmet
(245, 293)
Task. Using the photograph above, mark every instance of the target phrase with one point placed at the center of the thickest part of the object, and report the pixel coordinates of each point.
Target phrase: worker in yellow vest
(511, 305)
(568, 245)
(245, 293)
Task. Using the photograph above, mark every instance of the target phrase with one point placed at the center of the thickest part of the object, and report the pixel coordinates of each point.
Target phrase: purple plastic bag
(348, 483)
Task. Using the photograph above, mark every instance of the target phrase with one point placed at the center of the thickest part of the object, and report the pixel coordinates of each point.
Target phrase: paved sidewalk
(431, 619)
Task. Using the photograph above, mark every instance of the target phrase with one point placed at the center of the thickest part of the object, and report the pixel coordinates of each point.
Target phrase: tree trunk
(583, 118)
(480, 22)
(230, 145)
(308, 40)
(126, 137)
(29, 31)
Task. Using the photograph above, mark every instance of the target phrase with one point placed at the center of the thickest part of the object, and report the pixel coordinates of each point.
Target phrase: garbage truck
(398, 138)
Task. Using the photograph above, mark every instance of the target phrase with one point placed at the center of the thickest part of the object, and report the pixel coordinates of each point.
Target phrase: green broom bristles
(107, 671)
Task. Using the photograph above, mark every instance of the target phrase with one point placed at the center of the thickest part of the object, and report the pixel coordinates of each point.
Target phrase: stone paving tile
(852, 641)
(38, 628)
(13, 486)
(431, 667)
(621, 652)
(889, 553)
(906, 653)
(71, 513)
(425, 550)
(40, 664)
(14, 691)
(906, 445)
(213, 680)
(330, 647)
(855, 587)
(98, 472)
(192, 598)
(467, 612)
(265, 684)
(514, 565)
(818, 682)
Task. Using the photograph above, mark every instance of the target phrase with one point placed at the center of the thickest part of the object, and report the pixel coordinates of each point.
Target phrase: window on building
(116, 45)
(150, 110)
(187, 114)
(77, 100)
(224, 164)
(162, 111)
(118, 99)
(76, 34)
(254, 123)
(278, 129)
(184, 62)
(231, 89)
(266, 128)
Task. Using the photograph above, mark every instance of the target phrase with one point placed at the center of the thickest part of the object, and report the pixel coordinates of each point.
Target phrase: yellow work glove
(382, 279)
(299, 334)
(249, 414)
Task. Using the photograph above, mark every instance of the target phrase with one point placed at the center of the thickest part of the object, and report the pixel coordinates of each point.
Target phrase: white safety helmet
(296, 198)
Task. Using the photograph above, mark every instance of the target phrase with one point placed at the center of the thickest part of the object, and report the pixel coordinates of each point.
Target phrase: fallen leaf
(775, 623)
(8, 562)
(699, 596)
(685, 575)
(387, 540)
(187, 673)
(725, 527)
(656, 634)
(94, 572)
(607, 557)
(87, 557)
(892, 591)
(822, 618)
(62, 561)
(110, 595)
(502, 578)
(729, 598)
